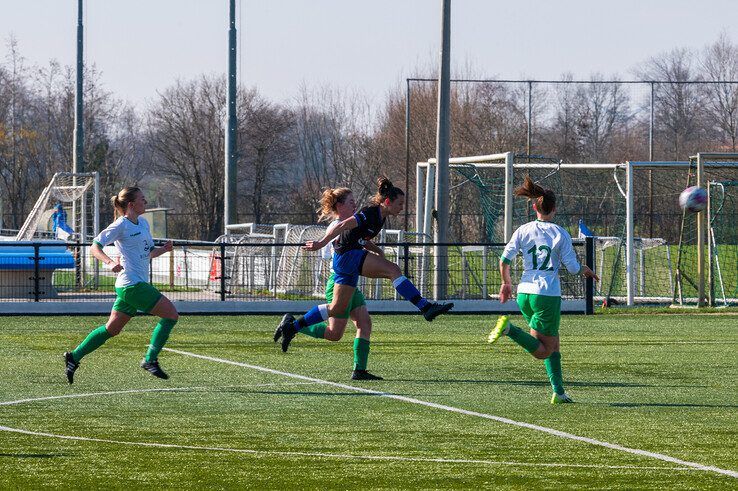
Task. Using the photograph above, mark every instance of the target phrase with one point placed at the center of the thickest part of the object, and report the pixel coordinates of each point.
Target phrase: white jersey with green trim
(545, 247)
(134, 242)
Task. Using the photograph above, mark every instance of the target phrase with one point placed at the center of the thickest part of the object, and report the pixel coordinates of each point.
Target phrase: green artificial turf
(658, 383)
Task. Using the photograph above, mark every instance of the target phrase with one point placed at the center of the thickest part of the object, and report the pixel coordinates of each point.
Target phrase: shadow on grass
(664, 404)
(305, 393)
(538, 383)
(31, 455)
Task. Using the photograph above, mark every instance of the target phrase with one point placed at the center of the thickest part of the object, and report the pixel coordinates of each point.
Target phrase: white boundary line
(551, 431)
(282, 453)
(138, 391)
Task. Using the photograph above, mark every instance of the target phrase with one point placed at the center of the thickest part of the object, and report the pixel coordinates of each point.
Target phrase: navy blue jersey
(369, 222)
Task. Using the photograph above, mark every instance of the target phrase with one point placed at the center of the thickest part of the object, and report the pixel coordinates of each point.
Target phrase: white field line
(334, 455)
(266, 452)
(139, 391)
(550, 431)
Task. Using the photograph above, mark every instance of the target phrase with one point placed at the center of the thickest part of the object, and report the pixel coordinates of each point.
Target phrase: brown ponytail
(121, 200)
(386, 190)
(328, 201)
(544, 199)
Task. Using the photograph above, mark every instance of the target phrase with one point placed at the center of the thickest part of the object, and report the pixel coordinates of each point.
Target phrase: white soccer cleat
(561, 398)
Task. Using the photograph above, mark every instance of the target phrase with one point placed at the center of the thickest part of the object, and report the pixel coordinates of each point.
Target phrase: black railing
(259, 270)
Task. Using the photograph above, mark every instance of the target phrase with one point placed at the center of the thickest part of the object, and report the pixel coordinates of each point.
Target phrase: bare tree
(186, 134)
(678, 104)
(601, 111)
(720, 63)
(267, 153)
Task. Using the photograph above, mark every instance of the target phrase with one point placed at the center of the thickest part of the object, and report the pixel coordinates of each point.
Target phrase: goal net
(631, 208)
(723, 242)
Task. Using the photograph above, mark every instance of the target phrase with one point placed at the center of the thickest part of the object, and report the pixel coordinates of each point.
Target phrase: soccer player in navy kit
(351, 259)
(339, 204)
(132, 237)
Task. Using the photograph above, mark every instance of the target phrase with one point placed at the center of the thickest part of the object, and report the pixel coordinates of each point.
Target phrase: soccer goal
(630, 208)
(265, 260)
(706, 256)
(74, 196)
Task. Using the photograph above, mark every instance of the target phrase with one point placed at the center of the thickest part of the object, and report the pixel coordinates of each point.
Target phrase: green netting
(722, 232)
(724, 237)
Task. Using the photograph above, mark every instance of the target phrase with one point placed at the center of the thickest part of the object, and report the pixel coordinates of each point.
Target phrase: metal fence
(252, 277)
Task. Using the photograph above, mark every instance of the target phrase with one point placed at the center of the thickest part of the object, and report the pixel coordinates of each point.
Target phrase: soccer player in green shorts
(545, 247)
(132, 237)
(339, 204)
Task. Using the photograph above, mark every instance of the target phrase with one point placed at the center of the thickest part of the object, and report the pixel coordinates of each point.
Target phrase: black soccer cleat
(70, 366)
(154, 369)
(364, 375)
(433, 310)
(287, 319)
(285, 330)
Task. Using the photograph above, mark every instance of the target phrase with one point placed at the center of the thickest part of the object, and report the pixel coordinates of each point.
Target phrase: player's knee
(333, 335)
(393, 271)
(542, 352)
(114, 328)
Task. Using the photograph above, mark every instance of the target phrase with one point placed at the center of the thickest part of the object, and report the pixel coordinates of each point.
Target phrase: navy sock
(406, 288)
(316, 315)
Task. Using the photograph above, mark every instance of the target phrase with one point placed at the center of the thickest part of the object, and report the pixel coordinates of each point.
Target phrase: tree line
(288, 152)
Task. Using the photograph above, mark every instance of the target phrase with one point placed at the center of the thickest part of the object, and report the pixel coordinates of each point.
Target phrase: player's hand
(115, 267)
(505, 292)
(168, 246)
(313, 245)
(587, 272)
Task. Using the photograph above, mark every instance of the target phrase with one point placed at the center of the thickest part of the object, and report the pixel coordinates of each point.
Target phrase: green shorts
(541, 312)
(141, 296)
(357, 299)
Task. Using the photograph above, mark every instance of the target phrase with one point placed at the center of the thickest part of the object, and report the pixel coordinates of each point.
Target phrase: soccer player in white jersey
(132, 237)
(545, 247)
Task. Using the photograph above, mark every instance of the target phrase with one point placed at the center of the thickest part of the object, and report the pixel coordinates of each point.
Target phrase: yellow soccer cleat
(499, 329)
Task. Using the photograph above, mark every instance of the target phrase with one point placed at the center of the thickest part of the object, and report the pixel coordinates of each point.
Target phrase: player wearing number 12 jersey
(545, 247)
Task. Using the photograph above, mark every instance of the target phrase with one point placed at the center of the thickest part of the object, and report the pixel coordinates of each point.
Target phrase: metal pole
(407, 153)
(530, 117)
(589, 260)
(650, 159)
(78, 163)
(650, 126)
(509, 190)
(442, 155)
(231, 145)
(710, 251)
(629, 273)
(701, 237)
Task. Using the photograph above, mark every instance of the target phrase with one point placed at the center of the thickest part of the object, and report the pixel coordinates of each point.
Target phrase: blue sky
(142, 46)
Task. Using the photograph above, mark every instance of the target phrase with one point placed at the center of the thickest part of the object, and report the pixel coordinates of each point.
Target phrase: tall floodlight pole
(407, 153)
(440, 236)
(231, 146)
(78, 162)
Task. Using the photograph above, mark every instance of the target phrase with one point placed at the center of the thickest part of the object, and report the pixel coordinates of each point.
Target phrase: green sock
(528, 342)
(553, 368)
(93, 341)
(159, 337)
(361, 353)
(315, 331)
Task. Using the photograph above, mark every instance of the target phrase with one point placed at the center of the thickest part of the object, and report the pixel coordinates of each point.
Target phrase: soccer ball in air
(693, 199)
